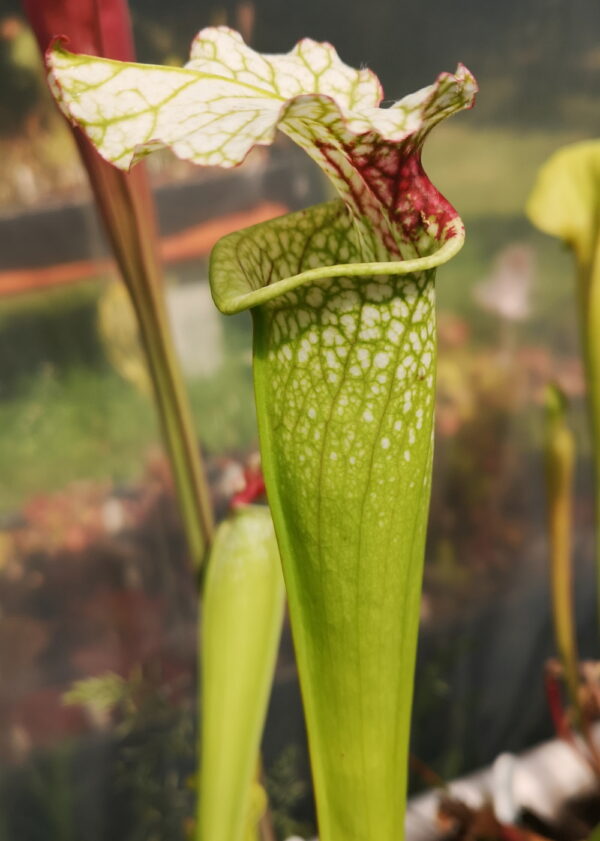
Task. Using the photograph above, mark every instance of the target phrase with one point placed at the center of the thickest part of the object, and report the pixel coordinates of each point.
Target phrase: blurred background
(94, 578)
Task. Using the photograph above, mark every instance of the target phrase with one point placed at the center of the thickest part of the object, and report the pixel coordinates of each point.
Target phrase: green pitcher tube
(344, 366)
(242, 611)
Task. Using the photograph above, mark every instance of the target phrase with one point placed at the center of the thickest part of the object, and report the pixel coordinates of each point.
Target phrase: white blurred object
(507, 289)
(297, 838)
(504, 770)
(197, 328)
(231, 480)
(113, 515)
(541, 780)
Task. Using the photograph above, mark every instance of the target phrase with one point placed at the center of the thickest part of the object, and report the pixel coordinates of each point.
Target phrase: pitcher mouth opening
(234, 290)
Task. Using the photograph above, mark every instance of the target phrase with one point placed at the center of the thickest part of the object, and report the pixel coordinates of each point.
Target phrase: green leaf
(241, 623)
(565, 201)
(344, 363)
(98, 694)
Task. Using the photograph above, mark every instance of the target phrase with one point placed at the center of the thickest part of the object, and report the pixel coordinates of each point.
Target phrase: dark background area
(540, 49)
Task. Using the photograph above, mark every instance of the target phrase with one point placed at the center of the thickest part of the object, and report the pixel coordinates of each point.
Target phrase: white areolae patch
(360, 393)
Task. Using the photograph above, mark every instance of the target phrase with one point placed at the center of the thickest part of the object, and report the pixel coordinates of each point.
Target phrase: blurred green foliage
(21, 90)
(76, 417)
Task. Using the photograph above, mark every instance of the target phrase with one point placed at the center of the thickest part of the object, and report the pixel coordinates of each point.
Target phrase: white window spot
(312, 412)
(370, 316)
(398, 425)
(345, 301)
(385, 443)
(399, 308)
(406, 455)
(333, 456)
(415, 341)
(349, 322)
(331, 359)
(314, 297)
(379, 291)
(367, 415)
(381, 359)
(410, 290)
(370, 333)
(329, 336)
(313, 261)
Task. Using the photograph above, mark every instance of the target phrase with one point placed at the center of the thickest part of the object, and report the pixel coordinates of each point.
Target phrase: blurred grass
(79, 425)
(488, 171)
(488, 174)
(66, 415)
(75, 421)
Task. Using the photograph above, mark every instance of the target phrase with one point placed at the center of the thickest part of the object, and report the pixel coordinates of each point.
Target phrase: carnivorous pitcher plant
(564, 203)
(242, 612)
(342, 298)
